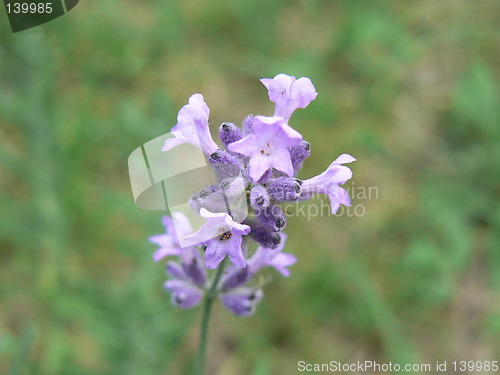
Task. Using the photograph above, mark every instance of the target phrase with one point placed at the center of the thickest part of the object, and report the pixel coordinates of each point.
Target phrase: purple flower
(289, 93)
(263, 257)
(192, 127)
(222, 236)
(298, 154)
(276, 258)
(184, 294)
(329, 183)
(268, 146)
(188, 278)
(252, 178)
(241, 301)
(176, 227)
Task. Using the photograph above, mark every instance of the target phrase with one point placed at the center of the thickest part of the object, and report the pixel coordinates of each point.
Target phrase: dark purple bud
(266, 176)
(264, 234)
(229, 133)
(272, 217)
(259, 197)
(283, 189)
(184, 294)
(195, 271)
(298, 154)
(241, 301)
(248, 125)
(175, 270)
(225, 165)
(236, 278)
(280, 222)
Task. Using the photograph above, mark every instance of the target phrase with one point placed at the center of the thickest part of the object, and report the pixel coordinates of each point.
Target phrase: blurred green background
(407, 87)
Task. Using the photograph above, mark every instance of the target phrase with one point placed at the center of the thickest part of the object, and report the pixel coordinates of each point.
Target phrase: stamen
(225, 236)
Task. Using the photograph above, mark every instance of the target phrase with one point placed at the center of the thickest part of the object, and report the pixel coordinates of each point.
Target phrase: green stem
(205, 318)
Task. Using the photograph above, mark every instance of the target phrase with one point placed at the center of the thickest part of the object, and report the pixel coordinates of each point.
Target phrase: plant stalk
(205, 319)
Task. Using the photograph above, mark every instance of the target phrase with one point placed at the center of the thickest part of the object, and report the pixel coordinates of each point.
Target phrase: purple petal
(289, 94)
(241, 301)
(245, 146)
(209, 230)
(281, 161)
(175, 270)
(216, 251)
(184, 295)
(338, 196)
(170, 143)
(303, 92)
(235, 277)
(192, 265)
(192, 126)
(340, 176)
(343, 159)
(216, 225)
(236, 228)
(235, 252)
(162, 240)
(278, 87)
(163, 252)
(281, 261)
(258, 166)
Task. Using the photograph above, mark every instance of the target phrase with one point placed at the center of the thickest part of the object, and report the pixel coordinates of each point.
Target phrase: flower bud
(229, 133)
(283, 189)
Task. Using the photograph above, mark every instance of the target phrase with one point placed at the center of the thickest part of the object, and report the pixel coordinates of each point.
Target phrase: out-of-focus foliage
(411, 273)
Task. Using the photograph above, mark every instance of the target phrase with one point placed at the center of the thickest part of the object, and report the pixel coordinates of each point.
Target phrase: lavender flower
(188, 278)
(260, 163)
(241, 301)
(226, 239)
(192, 127)
(188, 281)
(178, 225)
(289, 93)
(329, 183)
(262, 258)
(268, 146)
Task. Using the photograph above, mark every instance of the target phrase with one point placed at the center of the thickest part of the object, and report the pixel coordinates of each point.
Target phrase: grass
(408, 89)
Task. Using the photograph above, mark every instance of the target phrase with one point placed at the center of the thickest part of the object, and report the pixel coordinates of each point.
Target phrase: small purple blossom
(268, 146)
(262, 258)
(289, 93)
(241, 301)
(226, 237)
(329, 183)
(177, 225)
(192, 127)
(184, 294)
(276, 258)
(188, 278)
